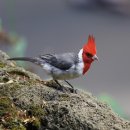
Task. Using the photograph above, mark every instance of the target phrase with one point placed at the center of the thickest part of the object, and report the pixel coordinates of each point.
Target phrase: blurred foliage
(17, 44)
(18, 48)
(113, 104)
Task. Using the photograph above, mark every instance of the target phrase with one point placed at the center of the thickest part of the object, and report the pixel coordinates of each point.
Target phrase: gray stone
(54, 108)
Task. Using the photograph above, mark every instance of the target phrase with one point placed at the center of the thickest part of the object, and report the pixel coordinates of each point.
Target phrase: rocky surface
(29, 103)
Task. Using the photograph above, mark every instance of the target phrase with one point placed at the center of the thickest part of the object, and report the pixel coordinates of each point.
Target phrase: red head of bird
(89, 53)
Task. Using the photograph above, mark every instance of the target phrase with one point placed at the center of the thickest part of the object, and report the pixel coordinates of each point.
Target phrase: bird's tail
(33, 60)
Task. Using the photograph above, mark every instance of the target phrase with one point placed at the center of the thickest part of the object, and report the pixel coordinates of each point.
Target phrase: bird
(66, 66)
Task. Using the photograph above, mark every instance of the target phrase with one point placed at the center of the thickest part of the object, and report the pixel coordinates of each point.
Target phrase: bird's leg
(61, 87)
(70, 86)
(58, 83)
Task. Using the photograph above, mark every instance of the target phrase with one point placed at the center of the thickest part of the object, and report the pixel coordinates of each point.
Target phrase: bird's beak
(95, 57)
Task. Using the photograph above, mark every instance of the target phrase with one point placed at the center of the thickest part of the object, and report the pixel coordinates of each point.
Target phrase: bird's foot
(66, 89)
(72, 90)
(60, 87)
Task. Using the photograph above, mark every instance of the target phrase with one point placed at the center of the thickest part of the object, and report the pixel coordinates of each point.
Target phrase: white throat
(80, 65)
(80, 55)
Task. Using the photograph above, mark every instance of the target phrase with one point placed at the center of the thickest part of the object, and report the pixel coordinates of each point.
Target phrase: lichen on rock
(27, 102)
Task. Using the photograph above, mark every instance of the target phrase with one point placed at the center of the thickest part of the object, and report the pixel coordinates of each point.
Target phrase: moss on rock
(2, 65)
(6, 107)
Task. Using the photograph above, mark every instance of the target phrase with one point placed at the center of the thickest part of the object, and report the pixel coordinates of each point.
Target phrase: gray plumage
(64, 61)
(63, 66)
(30, 59)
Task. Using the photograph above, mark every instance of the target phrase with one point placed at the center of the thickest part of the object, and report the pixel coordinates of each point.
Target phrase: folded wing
(63, 62)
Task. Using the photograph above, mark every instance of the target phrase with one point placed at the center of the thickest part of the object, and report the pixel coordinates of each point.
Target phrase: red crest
(90, 46)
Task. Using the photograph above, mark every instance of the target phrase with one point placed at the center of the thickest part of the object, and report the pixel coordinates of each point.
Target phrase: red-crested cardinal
(67, 65)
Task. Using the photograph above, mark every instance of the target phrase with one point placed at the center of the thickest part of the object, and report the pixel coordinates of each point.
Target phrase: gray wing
(63, 61)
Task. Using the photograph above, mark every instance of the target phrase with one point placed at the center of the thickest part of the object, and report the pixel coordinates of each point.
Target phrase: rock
(29, 103)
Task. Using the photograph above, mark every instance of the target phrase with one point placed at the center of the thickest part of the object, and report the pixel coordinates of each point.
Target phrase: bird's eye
(89, 55)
